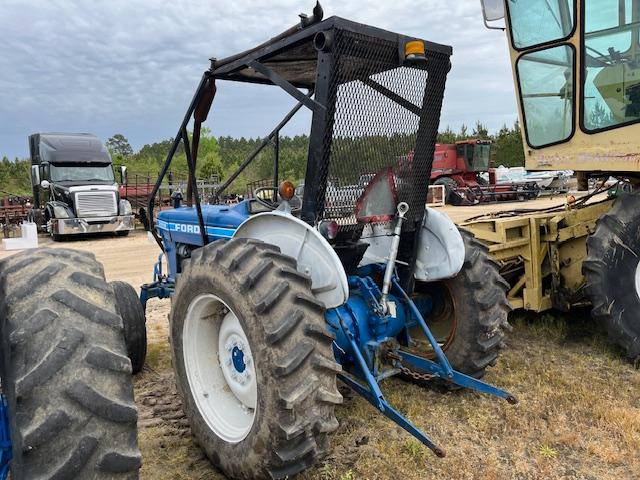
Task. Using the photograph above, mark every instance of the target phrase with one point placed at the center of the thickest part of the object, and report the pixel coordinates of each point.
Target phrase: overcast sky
(131, 66)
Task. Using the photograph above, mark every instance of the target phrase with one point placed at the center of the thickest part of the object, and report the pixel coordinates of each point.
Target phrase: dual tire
(65, 371)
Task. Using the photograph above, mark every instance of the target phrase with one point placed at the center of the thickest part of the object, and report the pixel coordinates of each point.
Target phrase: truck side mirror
(123, 175)
(35, 175)
(492, 10)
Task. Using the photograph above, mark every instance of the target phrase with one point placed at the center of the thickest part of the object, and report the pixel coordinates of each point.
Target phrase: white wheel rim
(638, 280)
(220, 368)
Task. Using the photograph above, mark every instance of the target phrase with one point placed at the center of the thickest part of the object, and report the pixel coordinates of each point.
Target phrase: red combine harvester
(458, 167)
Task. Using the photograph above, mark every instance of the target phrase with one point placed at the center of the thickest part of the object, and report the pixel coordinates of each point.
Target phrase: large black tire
(475, 303)
(450, 186)
(612, 273)
(135, 329)
(64, 369)
(292, 353)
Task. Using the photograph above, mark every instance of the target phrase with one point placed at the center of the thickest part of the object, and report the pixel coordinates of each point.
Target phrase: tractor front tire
(612, 272)
(278, 339)
(476, 306)
(135, 329)
(64, 369)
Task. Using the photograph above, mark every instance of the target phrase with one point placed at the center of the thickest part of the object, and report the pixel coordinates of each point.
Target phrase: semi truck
(74, 186)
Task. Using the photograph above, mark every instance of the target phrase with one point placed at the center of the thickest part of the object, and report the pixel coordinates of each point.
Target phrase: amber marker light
(414, 48)
(286, 190)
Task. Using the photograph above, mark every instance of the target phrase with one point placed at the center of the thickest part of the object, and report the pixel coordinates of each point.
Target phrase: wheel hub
(219, 367)
(235, 359)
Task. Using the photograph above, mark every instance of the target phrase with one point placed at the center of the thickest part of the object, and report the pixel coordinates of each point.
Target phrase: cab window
(546, 87)
(611, 95)
(536, 22)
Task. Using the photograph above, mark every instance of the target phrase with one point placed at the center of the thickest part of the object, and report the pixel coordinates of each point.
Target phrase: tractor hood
(221, 220)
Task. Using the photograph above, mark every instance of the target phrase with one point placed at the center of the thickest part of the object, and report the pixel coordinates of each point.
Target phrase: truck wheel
(64, 370)
(469, 313)
(253, 359)
(612, 272)
(135, 329)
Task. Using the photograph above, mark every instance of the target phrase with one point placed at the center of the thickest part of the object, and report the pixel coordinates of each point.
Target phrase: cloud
(132, 66)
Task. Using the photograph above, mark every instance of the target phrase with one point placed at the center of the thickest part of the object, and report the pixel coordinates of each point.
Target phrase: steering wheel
(295, 202)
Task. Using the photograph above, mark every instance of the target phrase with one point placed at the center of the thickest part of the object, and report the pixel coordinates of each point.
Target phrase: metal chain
(424, 377)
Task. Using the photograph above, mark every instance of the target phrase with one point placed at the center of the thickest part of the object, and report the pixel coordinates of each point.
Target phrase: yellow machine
(576, 67)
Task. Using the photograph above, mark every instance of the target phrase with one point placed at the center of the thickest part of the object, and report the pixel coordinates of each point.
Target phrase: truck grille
(96, 204)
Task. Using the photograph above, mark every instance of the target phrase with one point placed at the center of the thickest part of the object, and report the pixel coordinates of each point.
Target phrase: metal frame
(254, 66)
(556, 238)
(363, 381)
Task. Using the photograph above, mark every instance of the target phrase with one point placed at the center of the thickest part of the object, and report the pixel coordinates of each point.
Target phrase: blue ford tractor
(278, 297)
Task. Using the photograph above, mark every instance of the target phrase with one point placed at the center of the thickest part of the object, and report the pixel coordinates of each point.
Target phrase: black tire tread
(134, 321)
(484, 294)
(616, 310)
(304, 370)
(49, 327)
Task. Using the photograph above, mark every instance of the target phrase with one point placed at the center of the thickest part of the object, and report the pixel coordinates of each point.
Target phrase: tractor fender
(440, 249)
(440, 252)
(314, 255)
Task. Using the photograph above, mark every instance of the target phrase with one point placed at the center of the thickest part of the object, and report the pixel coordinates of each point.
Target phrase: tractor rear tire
(478, 311)
(612, 272)
(135, 329)
(64, 369)
(291, 360)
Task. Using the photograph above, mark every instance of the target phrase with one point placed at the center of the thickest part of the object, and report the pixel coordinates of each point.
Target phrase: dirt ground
(578, 416)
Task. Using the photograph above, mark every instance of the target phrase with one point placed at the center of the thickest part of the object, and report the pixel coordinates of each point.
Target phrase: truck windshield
(534, 22)
(82, 173)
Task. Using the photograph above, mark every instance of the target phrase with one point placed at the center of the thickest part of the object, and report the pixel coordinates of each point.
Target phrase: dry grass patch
(578, 418)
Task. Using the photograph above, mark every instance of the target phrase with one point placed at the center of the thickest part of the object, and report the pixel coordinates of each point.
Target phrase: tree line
(220, 157)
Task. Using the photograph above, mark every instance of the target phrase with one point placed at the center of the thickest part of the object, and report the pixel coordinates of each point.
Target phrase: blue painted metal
(161, 287)
(369, 346)
(180, 225)
(369, 339)
(237, 356)
(5, 439)
(442, 359)
(456, 378)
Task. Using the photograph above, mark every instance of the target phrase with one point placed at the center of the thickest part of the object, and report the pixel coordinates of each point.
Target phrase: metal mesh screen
(374, 121)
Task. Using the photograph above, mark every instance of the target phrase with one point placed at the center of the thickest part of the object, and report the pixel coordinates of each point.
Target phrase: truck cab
(74, 186)
(465, 156)
(577, 78)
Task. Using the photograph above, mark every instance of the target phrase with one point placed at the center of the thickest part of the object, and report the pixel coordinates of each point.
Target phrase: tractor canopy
(375, 98)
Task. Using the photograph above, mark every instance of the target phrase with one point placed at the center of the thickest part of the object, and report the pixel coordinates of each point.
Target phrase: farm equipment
(74, 187)
(277, 297)
(458, 167)
(576, 71)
